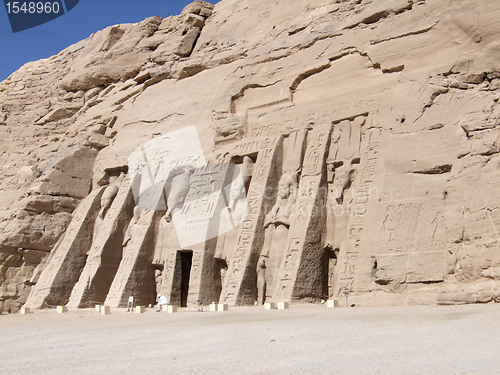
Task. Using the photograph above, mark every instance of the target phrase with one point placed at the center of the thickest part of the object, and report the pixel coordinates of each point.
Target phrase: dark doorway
(186, 260)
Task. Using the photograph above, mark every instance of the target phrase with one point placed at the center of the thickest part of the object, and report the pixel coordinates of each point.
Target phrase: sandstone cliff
(383, 114)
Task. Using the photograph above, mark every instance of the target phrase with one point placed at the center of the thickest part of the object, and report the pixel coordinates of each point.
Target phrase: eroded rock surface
(372, 127)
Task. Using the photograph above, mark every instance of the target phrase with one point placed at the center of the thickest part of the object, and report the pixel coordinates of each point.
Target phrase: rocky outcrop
(367, 129)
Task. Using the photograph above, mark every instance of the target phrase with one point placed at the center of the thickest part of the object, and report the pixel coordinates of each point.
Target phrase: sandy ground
(251, 340)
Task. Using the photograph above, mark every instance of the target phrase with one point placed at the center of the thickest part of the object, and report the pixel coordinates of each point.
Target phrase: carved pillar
(349, 255)
(67, 259)
(230, 218)
(278, 221)
(240, 280)
(167, 242)
(236, 208)
(135, 275)
(202, 219)
(170, 251)
(300, 271)
(106, 252)
(195, 232)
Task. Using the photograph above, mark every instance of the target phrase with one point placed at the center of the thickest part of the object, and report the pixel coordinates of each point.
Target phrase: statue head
(179, 190)
(287, 183)
(107, 199)
(137, 213)
(237, 189)
(247, 170)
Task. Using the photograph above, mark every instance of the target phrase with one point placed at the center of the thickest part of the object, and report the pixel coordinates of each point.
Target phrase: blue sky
(86, 18)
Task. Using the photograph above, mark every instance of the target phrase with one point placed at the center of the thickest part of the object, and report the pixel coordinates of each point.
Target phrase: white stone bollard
(332, 303)
(222, 307)
(98, 308)
(62, 309)
(283, 305)
(105, 310)
(25, 310)
(269, 306)
(140, 309)
(171, 309)
(213, 307)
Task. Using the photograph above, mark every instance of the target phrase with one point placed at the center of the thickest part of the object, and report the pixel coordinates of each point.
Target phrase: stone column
(135, 275)
(67, 259)
(106, 252)
(240, 283)
(300, 271)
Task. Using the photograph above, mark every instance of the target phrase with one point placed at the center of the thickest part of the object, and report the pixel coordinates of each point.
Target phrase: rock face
(367, 133)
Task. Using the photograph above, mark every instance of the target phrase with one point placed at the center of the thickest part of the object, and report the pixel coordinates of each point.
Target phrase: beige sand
(250, 340)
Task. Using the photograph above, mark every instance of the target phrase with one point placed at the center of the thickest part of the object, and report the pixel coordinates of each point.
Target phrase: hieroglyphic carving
(245, 147)
(399, 223)
(413, 230)
(167, 243)
(232, 215)
(286, 122)
(348, 261)
(202, 202)
(168, 270)
(306, 222)
(199, 219)
(243, 261)
(282, 215)
(248, 147)
(412, 247)
(153, 165)
(343, 162)
(343, 178)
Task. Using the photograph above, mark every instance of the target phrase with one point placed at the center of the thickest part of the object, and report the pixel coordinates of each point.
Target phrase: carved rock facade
(367, 133)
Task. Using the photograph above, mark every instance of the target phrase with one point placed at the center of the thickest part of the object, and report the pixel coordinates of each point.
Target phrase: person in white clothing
(162, 301)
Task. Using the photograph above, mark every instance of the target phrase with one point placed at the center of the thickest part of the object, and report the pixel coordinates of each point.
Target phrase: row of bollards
(169, 309)
(218, 306)
(27, 310)
(137, 309)
(274, 305)
(105, 310)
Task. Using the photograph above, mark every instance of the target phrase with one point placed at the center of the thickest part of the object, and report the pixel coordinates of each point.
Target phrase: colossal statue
(279, 219)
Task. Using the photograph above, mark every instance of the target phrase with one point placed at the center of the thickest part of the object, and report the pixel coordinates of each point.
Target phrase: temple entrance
(180, 282)
(186, 260)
